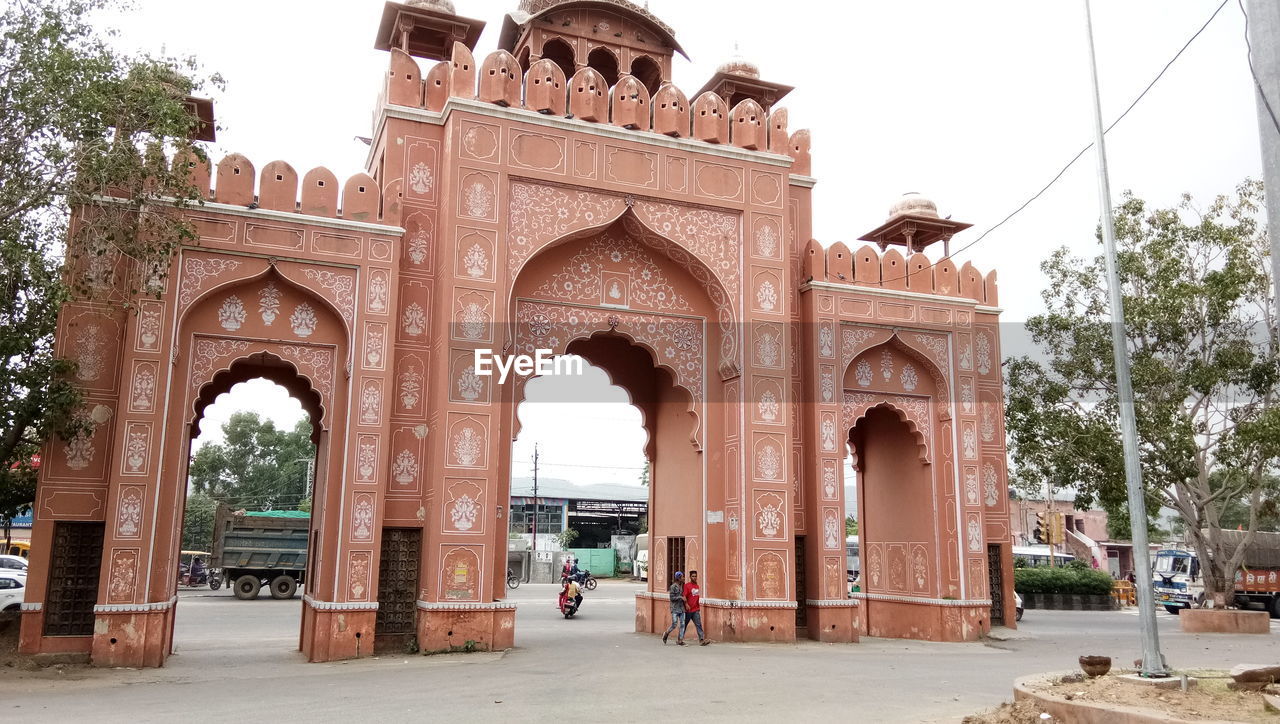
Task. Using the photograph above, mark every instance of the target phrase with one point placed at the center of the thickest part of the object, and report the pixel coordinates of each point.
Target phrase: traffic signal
(1057, 529)
(1040, 528)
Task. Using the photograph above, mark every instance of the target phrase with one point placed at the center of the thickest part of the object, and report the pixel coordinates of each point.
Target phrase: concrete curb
(1087, 712)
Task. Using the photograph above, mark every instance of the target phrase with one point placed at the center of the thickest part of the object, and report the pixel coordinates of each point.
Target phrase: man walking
(693, 608)
(676, 594)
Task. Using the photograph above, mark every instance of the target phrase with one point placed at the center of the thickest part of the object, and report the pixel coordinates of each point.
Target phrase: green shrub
(1062, 580)
(1078, 565)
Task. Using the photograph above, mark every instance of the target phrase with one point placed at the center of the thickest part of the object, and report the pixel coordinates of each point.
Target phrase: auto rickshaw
(203, 575)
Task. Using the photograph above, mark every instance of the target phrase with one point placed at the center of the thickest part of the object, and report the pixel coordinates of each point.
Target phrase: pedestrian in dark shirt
(676, 594)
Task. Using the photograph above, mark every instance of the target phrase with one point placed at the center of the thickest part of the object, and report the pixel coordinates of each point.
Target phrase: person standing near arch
(676, 594)
(693, 608)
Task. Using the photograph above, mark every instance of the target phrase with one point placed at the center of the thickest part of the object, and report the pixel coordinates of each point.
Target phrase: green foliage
(256, 466)
(81, 122)
(1077, 565)
(644, 474)
(1019, 562)
(1061, 580)
(566, 538)
(197, 522)
(1204, 362)
(850, 526)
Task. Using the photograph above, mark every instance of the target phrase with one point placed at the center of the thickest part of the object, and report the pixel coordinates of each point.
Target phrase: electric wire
(1256, 81)
(1084, 150)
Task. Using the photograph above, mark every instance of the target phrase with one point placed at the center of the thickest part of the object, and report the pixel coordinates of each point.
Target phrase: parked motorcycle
(513, 581)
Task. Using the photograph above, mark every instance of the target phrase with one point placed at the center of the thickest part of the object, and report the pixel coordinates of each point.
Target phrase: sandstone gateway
(558, 194)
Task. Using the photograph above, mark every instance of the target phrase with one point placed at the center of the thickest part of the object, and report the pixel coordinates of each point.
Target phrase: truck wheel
(283, 587)
(1175, 610)
(247, 587)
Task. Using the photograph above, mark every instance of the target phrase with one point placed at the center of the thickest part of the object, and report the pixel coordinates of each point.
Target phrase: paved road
(238, 659)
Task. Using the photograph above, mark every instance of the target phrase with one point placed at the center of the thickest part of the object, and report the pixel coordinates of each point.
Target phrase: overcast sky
(974, 104)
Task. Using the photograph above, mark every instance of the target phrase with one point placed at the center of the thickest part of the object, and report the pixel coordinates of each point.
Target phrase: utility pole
(1152, 660)
(535, 508)
(1263, 27)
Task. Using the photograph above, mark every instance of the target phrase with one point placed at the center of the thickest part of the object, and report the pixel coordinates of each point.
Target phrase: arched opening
(523, 60)
(252, 466)
(606, 63)
(560, 53)
(648, 72)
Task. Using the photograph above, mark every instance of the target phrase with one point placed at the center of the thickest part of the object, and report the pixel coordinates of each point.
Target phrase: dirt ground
(1209, 699)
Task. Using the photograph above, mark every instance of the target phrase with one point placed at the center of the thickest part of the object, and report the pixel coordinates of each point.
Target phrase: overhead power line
(1085, 150)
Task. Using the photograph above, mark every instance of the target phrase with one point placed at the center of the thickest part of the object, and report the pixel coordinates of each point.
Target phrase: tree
(197, 522)
(644, 474)
(82, 122)
(850, 525)
(1201, 337)
(256, 466)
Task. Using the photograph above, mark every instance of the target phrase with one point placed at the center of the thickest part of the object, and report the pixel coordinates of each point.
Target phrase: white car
(13, 564)
(1017, 604)
(13, 588)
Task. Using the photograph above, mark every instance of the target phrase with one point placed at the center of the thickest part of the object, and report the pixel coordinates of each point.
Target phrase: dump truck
(256, 549)
(1179, 584)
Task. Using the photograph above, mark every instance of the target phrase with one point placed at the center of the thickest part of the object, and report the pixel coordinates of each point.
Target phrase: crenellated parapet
(587, 96)
(890, 269)
(235, 182)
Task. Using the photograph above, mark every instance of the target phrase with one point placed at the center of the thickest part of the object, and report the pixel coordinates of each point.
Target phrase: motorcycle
(583, 578)
(513, 581)
(569, 606)
(1017, 603)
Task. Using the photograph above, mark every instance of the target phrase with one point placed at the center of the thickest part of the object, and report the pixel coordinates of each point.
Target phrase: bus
(1036, 556)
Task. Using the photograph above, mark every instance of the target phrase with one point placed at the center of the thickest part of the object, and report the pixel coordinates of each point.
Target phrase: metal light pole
(311, 466)
(1152, 660)
(1264, 63)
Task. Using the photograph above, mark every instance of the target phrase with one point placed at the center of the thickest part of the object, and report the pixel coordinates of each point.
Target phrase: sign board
(542, 556)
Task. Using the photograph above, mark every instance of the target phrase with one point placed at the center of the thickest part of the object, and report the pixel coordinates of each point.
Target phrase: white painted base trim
(136, 607)
(446, 606)
(33, 606)
(726, 603)
(832, 602)
(924, 601)
(339, 606)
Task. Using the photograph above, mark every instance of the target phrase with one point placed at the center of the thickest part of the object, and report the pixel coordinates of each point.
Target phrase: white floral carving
(919, 568)
(827, 386)
(479, 200)
(769, 349)
(129, 517)
(990, 480)
(269, 303)
(418, 247)
(966, 357)
(231, 314)
(303, 320)
(476, 262)
(405, 468)
(149, 328)
(975, 536)
(374, 347)
(410, 387)
(370, 403)
(379, 292)
(467, 445)
(853, 340)
(90, 345)
(470, 385)
(767, 296)
(829, 479)
(197, 270)
(769, 520)
(464, 513)
(766, 240)
(768, 406)
(362, 519)
(886, 364)
(769, 462)
(826, 340)
(135, 451)
(415, 320)
(970, 441)
(366, 459)
(831, 532)
(909, 377)
(124, 574)
(315, 362)
(984, 353)
(862, 371)
(144, 389)
(79, 451)
(988, 423)
(341, 289)
(472, 321)
(966, 396)
(420, 178)
(937, 347)
(971, 487)
(828, 434)
(580, 279)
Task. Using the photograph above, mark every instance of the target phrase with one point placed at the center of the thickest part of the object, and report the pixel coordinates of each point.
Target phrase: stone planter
(1095, 666)
(1069, 602)
(1214, 620)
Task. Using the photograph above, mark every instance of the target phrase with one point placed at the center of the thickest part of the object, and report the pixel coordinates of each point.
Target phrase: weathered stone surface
(1262, 673)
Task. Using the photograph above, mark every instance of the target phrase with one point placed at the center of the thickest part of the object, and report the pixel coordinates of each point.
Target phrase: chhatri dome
(740, 66)
(442, 6)
(914, 204)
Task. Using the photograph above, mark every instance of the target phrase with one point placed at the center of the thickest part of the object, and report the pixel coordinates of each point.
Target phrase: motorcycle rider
(197, 572)
(572, 591)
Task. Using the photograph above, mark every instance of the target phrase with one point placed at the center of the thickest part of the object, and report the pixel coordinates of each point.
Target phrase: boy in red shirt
(693, 607)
